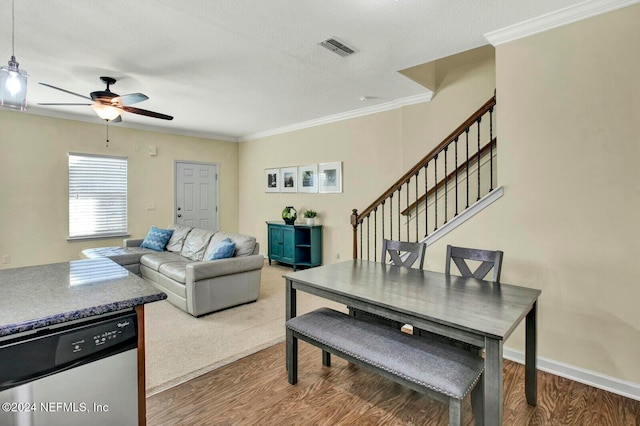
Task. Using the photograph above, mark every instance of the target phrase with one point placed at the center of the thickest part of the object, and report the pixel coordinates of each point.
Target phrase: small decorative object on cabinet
(310, 215)
(289, 214)
(296, 245)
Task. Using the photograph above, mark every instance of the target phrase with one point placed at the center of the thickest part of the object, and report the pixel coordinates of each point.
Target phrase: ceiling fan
(109, 105)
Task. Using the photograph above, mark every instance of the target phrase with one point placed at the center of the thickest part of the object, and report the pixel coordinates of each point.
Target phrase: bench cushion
(437, 366)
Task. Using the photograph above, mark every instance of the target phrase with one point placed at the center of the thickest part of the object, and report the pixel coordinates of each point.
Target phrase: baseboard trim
(581, 375)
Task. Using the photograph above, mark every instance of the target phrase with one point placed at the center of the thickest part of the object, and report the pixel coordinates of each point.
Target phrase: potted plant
(289, 214)
(310, 215)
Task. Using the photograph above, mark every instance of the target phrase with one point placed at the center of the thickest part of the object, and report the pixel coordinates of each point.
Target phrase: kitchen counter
(34, 297)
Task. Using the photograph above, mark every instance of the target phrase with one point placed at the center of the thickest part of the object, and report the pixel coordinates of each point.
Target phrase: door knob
(179, 215)
(179, 208)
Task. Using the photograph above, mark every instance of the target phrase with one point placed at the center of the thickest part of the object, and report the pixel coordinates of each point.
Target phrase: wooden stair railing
(487, 149)
(429, 162)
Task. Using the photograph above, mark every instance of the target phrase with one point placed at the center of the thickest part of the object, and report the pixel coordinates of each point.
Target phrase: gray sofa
(192, 284)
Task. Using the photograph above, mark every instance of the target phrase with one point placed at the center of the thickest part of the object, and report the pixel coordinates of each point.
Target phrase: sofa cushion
(223, 250)
(177, 238)
(155, 260)
(196, 244)
(175, 270)
(244, 243)
(120, 255)
(157, 239)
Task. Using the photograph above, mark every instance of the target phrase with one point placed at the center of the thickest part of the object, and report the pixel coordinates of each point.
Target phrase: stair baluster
(384, 225)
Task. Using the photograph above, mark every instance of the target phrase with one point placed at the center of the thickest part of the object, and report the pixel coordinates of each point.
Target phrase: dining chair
(400, 253)
(488, 260)
(403, 253)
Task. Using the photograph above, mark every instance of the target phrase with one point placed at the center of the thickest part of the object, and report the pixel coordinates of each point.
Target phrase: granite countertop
(40, 296)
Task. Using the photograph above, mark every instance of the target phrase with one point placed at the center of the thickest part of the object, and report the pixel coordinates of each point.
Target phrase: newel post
(354, 223)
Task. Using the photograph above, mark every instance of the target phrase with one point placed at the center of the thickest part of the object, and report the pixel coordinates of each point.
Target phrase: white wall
(34, 181)
(568, 148)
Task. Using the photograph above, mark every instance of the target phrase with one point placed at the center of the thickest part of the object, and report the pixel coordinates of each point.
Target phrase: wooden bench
(443, 372)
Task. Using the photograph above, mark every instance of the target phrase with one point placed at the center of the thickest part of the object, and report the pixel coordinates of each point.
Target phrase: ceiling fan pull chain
(107, 144)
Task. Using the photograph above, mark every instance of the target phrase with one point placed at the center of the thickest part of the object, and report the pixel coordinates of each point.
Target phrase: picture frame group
(324, 178)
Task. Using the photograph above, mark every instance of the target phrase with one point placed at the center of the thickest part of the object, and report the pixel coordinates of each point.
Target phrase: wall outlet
(6, 259)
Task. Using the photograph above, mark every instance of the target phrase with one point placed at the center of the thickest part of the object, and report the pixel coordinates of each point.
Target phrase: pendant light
(13, 81)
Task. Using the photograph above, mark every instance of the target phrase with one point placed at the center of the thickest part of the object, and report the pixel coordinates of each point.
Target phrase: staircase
(440, 192)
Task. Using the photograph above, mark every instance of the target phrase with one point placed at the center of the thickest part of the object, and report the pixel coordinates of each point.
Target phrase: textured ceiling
(233, 69)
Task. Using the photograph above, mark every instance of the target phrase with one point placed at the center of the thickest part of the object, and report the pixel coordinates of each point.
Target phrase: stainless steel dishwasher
(82, 373)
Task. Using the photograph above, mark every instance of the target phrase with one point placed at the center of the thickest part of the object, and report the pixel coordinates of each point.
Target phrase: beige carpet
(180, 347)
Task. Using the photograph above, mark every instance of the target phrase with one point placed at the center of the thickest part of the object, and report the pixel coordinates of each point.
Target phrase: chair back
(488, 260)
(403, 253)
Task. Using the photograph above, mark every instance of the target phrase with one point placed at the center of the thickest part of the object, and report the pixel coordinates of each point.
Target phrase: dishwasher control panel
(95, 338)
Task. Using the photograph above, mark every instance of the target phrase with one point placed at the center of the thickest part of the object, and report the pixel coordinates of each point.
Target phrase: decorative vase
(289, 214)
(311, 221)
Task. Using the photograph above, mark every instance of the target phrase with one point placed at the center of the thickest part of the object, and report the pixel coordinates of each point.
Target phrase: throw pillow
(223, 250)
(157, 239)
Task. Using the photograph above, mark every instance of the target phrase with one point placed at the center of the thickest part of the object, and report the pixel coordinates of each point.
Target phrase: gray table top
(39, 296)
(481, 307)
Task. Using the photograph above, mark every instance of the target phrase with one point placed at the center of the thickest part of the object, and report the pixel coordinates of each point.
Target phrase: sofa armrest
(197, 271)
(132, 242)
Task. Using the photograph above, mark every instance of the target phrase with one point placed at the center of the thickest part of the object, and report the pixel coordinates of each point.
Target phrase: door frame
(216, 184)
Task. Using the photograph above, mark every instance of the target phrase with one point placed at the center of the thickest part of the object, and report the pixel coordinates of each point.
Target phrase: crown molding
(129, 125)
(556, 19)
(387, 106)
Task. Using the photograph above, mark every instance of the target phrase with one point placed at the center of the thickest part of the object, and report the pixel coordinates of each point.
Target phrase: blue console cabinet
(296, 245)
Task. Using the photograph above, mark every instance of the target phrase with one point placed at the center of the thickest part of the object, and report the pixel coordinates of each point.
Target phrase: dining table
(481, 313)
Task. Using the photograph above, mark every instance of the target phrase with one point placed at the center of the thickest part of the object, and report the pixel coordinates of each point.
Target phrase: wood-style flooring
(255, 391)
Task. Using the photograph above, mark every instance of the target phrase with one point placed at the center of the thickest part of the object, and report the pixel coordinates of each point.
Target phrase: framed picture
(308, 178)
(272, 180)
(289, 179)
(330, 177)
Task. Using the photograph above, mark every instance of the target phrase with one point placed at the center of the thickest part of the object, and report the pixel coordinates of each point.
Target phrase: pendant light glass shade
(13, 86)
(13, 81)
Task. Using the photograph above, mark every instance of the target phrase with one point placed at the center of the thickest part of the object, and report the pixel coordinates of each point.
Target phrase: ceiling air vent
(336, 47)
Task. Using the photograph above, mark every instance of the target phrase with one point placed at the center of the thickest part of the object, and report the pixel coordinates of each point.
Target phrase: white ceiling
(234, 69)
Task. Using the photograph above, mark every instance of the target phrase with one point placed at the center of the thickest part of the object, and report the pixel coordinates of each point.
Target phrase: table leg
(530, 377)
(493, 388)
(292, 357)
(291, 300)
(290, 308)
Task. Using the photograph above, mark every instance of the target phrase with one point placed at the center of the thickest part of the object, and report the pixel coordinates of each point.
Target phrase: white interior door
(196, 195)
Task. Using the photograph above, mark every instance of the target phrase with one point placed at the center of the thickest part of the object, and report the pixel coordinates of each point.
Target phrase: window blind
(97, 196)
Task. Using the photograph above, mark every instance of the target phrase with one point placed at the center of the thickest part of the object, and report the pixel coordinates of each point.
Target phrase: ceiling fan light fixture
(13, 81)
(106, 112)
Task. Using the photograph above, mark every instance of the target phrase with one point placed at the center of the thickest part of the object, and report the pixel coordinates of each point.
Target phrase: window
(97, 196)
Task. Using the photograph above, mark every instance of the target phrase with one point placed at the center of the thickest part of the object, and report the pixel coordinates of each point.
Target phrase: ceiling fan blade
(132, 98)
(66, 91)
(147, 113)
(45, 103)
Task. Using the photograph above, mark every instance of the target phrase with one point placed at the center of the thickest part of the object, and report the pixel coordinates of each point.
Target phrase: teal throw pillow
(157, 239)
(223, 250)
